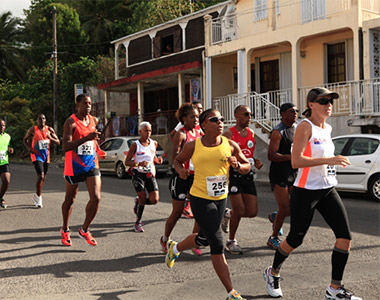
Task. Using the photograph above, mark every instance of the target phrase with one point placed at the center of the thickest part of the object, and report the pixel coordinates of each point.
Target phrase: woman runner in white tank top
(313, 155)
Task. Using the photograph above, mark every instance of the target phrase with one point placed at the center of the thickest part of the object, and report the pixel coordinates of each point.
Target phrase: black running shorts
(82, 177)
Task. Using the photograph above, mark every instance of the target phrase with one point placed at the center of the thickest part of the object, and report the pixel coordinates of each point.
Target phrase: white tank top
(319, 145)
(145, 154)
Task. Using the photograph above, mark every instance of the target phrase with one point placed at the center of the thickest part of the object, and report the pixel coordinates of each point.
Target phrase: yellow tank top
(211, 170)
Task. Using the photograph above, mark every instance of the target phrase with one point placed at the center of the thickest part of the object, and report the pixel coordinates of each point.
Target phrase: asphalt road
(128, 265)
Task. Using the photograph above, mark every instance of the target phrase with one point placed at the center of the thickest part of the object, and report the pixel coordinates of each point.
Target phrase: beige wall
(313, 65)
(222, 75)
(117, 102)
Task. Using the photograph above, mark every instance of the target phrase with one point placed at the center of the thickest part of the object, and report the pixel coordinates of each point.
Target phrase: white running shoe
(37, 201)
(272, 283)
(340, 294)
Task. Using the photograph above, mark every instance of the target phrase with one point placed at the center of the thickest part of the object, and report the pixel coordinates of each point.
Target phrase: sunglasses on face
(247, 114)
(216, 119)
(324, 101)
(294, 111)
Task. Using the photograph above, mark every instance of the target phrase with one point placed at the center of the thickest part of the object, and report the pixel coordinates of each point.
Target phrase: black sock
(339, 259)
(279, 258)
(140, 209)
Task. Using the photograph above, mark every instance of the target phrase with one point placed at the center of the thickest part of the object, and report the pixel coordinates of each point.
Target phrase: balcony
(224, 29)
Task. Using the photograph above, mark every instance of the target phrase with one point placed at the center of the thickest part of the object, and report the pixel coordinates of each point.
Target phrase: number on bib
(43, 144)
(2, 155)
(86, 148)
(217, 185)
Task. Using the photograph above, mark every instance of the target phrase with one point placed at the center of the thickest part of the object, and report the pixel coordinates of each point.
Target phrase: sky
(15, 6)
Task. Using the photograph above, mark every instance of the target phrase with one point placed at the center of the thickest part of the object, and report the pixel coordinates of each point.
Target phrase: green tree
(11, 65)
(38, 32)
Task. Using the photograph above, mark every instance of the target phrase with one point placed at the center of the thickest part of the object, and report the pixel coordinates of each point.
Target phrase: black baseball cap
(286, 106)
(320, 91)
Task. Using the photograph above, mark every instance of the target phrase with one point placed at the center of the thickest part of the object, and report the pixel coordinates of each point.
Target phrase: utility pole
(55, 71)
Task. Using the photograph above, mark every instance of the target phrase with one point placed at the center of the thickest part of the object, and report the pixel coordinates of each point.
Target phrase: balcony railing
(224, 29)
(360, 98)
(371, 6)
(265, 106)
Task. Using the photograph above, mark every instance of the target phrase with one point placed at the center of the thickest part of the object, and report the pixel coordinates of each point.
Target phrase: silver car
(363, 175)
(116, 149)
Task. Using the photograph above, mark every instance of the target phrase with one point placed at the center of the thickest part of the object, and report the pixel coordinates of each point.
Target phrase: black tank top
(284, 167)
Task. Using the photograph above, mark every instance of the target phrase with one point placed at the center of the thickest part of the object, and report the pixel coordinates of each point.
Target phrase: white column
(183, 27)
(140, 101)
(296, 73)
(117, 61)
(181, 90)
(106, 94)
(126, 45)
(208, 81)
(241, 71)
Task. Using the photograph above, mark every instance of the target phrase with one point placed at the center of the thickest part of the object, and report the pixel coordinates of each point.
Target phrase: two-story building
(268, 52)
(160, 68)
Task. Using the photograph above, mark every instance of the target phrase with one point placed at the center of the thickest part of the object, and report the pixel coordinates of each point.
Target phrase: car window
(339, 145)
(116, 144)
(159, 148)
(106, 145)
(130, 142)
(363, 146)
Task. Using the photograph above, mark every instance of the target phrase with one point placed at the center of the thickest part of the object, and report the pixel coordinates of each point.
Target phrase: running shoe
(138, 227)
(340, 294)
(3, 204)
(171, 257)
(163, 245)
(226, 220)
(135, 206)
(272, 283)
(65, 237)
(235, 295)
(37, 201)
(196, 251)
(272, 217)
(187, 213)
(233, 247)
(274, 242)
(88, 237)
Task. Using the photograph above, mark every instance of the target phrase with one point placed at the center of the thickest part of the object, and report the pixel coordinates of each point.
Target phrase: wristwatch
(238, 167)
(136, 164)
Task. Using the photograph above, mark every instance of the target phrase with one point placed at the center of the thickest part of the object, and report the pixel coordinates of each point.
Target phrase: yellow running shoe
(235, 295)
(171, 257)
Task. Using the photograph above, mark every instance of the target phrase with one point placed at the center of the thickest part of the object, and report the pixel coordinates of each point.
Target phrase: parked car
(363, 151)
(114, 162)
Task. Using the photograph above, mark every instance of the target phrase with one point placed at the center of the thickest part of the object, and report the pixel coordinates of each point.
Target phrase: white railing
(224, 29)
(356, 97)
(265, 112)
(371, 5)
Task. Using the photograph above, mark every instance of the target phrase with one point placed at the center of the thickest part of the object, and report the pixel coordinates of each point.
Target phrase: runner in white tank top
(313, 155)
(319, 145)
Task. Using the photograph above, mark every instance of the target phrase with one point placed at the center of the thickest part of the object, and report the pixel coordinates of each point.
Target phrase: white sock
(331, 289)
(164, 238)
(175, 250)
(230, 293)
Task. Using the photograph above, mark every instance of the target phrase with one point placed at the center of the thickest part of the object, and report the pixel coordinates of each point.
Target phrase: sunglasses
(216, 119)
(247, 114)
(324, 101)
(294, 111)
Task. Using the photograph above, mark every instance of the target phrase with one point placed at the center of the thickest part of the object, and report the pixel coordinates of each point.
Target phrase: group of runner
(209, 165)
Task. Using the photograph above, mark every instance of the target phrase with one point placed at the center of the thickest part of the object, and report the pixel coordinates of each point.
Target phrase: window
(106, 145)
(363, 146)
(260, 10)
(312, 10)
(339, 145)
(116, 144)
(269, 76)
(336, 62)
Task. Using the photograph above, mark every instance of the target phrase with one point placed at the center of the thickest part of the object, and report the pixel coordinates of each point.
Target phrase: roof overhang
(156, 79)
(364, 122)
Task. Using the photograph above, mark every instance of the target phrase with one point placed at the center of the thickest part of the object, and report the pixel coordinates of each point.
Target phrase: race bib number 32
(86, 148)
(217, 185)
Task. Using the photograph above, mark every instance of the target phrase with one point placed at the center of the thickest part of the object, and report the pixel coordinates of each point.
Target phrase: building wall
(223, 76)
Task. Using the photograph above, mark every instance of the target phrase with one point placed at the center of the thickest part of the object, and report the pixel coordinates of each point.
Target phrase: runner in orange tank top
(81, 164)
(38, 140)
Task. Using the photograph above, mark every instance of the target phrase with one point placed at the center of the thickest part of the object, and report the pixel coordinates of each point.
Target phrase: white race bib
(86, 148)
(43, 144)
(329, 170)
(3, 155)
(217, 185)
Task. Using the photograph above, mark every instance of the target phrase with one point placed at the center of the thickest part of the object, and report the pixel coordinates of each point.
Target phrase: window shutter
(156, 47)
(177, 41)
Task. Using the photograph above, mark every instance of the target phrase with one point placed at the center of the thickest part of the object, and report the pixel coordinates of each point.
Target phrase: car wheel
(374, 188)
(120, 170)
